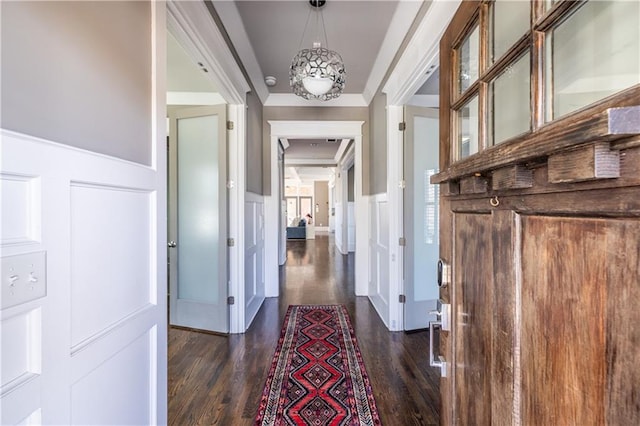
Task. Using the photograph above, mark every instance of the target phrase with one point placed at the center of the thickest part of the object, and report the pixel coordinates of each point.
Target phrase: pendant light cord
(319, 16)
(326, 40)
(306, 24)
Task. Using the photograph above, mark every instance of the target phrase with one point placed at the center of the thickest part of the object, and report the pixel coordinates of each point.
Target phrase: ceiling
(266, 35)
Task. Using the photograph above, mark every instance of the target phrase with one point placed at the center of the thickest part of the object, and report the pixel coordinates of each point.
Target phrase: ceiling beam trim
(194, 98)
(308, 162)
(313, 129)
(429, 101)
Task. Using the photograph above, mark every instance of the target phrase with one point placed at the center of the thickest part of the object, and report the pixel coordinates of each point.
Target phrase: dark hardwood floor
(219, 379)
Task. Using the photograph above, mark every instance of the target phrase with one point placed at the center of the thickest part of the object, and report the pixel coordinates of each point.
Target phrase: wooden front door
(540, 221)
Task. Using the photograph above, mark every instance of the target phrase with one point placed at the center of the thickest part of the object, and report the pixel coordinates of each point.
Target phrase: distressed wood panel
(622, 248)
(626, 202)
(588, 125)
(512, 177)
(563, 320)
(473, 185)
(594, 161)
(505, 305)
(447, 296)
(473, 318)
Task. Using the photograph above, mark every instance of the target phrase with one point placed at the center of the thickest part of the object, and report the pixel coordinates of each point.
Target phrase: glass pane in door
(468, 60)
(510, 20)
(421, 216)
(468, 137)
(510, 102)
(594, 53)
(198, 209)
(198, 219)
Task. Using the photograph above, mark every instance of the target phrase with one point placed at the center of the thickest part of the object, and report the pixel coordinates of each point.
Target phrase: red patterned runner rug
(317, 376)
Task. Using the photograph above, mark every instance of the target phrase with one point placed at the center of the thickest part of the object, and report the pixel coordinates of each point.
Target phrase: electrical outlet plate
(24, 278)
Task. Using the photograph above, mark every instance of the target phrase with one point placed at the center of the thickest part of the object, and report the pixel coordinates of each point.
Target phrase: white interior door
(421, 160)
(198, 219)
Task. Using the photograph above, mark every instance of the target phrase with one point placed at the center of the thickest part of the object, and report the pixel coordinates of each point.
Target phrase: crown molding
(235, 29)
(400, 24)
(289, 99)
(421, 56)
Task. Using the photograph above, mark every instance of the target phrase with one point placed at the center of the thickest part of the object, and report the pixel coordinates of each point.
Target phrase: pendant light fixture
(317, 73)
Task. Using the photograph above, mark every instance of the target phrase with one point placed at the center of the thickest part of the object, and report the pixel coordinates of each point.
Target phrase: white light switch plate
(24, 278)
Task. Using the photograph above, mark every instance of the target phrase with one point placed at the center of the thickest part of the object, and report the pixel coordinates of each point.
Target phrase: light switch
(23, 278)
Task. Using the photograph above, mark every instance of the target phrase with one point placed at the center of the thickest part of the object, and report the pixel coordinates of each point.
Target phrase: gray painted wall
(79, 73)
(321, 199)
(319, 114)
(254, 150)
(378, 146)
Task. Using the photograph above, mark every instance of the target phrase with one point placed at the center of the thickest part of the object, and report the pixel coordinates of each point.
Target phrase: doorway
(421, 213)
(198, 219)
(310, 130)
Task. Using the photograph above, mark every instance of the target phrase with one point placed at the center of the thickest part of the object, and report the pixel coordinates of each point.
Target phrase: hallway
(219, 380)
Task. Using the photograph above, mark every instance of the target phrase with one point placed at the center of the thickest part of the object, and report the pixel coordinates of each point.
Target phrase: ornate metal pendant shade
(318, 72)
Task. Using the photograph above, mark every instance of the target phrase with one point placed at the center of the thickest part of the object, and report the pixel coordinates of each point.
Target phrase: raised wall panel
(21, 367)
(110, 263)
(118, 391)
(382, 243)
(23, 334)
(379, 256)
(250, 239)
(253, 257)
(35, 418)
(351, 227)
(20, 215)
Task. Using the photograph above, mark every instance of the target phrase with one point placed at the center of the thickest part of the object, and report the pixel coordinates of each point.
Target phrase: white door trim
(316, 129)
(420, 57)
(418, 61)
(395, 192)
(195, 30)
(236, 192)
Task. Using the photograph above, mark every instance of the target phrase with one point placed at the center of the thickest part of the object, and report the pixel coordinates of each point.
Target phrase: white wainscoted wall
(351, 226)
(379, 255)
(93, 349)
(339, 229)
(254, 286)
